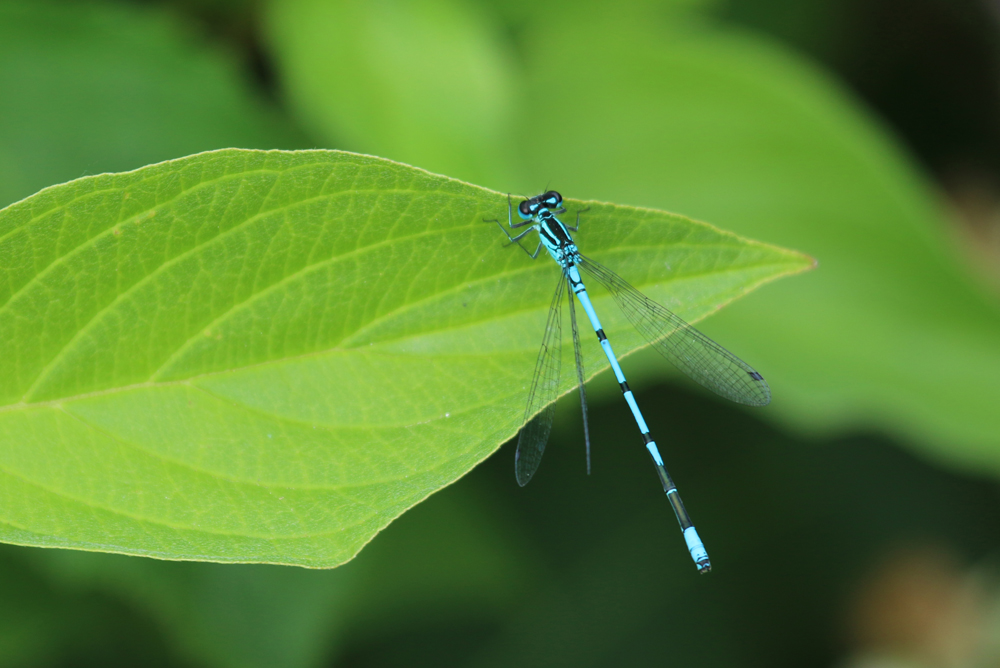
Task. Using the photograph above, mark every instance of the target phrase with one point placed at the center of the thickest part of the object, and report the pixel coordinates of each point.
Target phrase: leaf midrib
(48, 403)
(151, 384)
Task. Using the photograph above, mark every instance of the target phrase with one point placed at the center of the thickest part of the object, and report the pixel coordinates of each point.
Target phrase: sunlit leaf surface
(267, 356)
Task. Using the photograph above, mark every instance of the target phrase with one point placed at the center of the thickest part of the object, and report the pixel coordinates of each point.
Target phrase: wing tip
(763, 396)
(521, 474)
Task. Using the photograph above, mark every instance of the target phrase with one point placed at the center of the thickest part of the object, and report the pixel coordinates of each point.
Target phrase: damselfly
(688, 349)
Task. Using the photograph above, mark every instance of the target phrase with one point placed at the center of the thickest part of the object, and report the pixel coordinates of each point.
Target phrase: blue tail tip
(697, 550)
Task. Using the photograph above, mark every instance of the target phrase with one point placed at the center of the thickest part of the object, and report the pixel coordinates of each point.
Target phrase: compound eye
(552, 198)
(526, 208)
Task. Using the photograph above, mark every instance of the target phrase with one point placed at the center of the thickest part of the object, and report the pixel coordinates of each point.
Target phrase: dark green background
(571, 570)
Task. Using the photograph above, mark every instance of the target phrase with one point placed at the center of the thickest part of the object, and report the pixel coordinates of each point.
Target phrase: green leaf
(267, 356)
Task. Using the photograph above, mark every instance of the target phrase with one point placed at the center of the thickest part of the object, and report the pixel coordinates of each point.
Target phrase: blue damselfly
(689, 350)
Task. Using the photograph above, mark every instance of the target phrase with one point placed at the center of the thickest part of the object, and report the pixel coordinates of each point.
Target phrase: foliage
(266, 357)
(891, 334)
(654, 104)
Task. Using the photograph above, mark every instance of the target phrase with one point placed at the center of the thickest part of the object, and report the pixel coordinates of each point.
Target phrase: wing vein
(541, 407)
(699, 357)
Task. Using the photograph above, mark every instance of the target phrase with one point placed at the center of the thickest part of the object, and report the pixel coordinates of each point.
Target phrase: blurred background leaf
(106, 87)
(429, 81)
(869, 140)
(891, 334)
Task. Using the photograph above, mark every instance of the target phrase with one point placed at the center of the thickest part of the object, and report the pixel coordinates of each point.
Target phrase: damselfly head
(529, 207)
